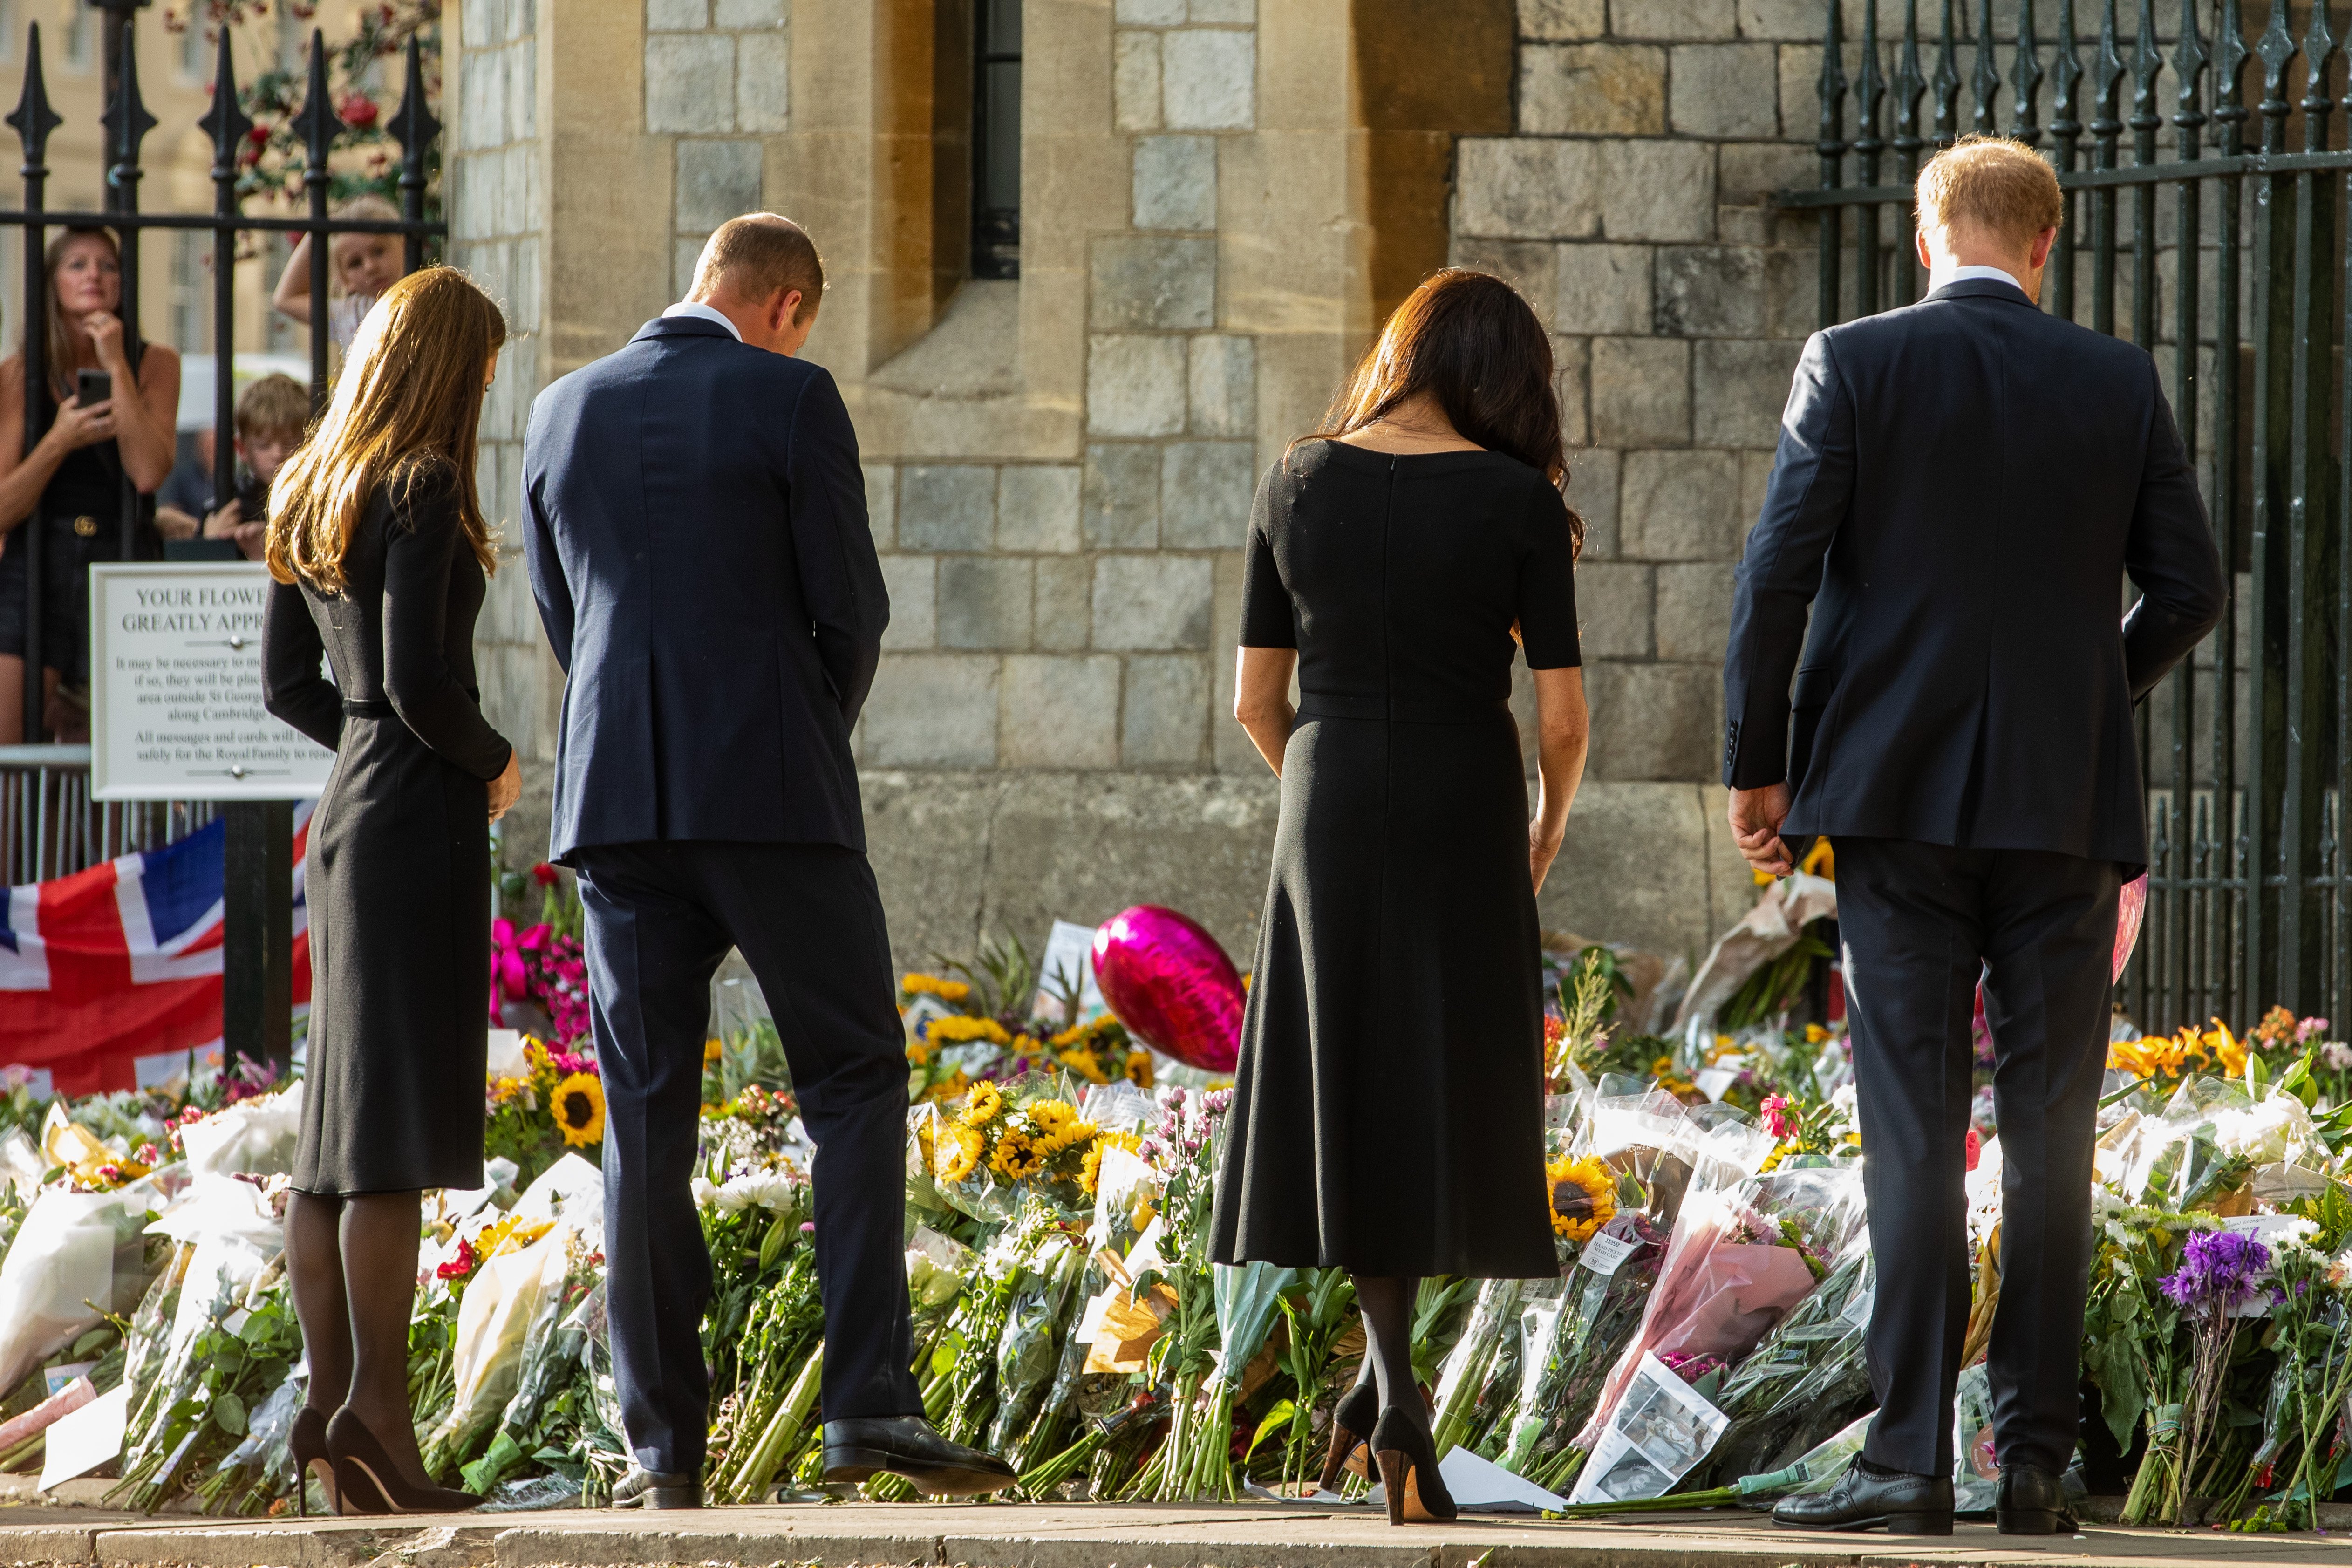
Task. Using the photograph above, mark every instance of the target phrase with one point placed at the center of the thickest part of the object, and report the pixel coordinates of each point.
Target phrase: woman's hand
(106, 336)
(78, 426)
(507, 788)
(1542, 849)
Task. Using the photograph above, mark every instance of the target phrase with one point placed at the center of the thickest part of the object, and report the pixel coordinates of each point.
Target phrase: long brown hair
(66, 339)
(1473, 344)
(407, 408)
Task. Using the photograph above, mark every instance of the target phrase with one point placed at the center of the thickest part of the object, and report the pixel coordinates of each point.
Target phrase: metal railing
(50, 828)
(2250, 902)
(127, 124)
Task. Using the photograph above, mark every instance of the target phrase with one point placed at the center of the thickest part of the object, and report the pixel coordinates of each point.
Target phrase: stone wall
(1060, 468)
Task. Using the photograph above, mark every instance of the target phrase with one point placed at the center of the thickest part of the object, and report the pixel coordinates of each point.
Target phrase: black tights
(1387, 1303)
(351, 1262)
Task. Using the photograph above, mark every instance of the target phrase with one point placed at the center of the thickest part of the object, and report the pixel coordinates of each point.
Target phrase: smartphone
(92, 386)
(252, 497)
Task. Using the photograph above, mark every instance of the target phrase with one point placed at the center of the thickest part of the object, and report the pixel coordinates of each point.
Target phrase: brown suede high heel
(306, 1444)
(1351, 1423)
(1408, 1462)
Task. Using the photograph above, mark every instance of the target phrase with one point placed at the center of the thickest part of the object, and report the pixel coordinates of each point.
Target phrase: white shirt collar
(702, 312)
(1937, 277)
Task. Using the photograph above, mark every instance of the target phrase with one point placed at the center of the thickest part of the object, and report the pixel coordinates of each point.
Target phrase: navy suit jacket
(699, 548)
(1965, 483)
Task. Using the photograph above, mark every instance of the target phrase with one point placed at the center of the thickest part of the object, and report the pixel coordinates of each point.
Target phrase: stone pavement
(1079, 1536)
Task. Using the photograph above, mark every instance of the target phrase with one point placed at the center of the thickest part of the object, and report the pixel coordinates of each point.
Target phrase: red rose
(358, 111)
(543, 874)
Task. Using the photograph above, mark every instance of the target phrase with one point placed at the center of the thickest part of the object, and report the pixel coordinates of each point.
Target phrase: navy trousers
(808, 918)
(1920, 922)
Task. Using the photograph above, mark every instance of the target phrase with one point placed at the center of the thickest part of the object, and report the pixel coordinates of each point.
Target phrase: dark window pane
(996, 139)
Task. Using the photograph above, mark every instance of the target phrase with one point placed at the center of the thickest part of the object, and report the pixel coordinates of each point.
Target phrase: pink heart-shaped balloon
(1172, 986)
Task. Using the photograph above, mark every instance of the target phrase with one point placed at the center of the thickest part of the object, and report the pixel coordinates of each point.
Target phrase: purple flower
(2216, 1271)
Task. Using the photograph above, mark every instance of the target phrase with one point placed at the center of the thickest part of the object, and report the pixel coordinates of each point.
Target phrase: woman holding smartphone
(111, 413)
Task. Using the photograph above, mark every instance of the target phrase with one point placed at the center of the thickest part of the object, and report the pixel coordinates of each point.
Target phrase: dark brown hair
(1471, 342)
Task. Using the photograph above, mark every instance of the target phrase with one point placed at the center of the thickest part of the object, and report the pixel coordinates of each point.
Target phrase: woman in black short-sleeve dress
(1387, 1112)
(379, 547)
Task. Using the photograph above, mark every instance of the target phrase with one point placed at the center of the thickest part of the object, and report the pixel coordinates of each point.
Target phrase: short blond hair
(759, 256)
(1992, 185)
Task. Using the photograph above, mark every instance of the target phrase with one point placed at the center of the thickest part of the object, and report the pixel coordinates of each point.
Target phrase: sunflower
(979, 1107)
(1583, 1197)
(1050, 1115)
(949, 1088)
(953, 1164)
(1090, 1167)
(1018, 1157)
(1083, 1063)
(918, 1054)
(1069, 1137)
(578, 1102)
(1138, 1069)
(959, 1031)
(711, 1049)
(932, 986)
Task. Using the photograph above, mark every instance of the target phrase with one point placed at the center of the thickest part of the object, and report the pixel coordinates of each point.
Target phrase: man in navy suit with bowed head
(699, 548)
(1960, 489)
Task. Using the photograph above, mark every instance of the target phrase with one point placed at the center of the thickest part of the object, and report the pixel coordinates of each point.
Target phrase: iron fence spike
(34, 119)
(1947, 81)
(126, 119)
(318, 122)
(2065, 77)
(2025, 80)
(413, 126)
(1986, 81)
(225, 121)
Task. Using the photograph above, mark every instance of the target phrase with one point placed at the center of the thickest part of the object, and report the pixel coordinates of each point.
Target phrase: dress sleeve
(1547, 587)
(1267, 618)
(291, 686)
(420, 547)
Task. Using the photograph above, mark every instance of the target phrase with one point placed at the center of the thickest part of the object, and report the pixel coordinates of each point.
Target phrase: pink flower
(1777, 1119)
(1976, 1147)
(358, 111)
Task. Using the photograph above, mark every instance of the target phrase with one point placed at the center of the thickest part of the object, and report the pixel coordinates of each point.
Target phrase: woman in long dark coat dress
(379, 548)
(1388, 1113)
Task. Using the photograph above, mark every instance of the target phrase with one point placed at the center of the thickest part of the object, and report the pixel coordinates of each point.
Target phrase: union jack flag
(113, 975)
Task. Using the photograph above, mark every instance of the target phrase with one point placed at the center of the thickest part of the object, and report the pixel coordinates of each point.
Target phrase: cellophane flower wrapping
(1805, 1380)
(1739, 1260)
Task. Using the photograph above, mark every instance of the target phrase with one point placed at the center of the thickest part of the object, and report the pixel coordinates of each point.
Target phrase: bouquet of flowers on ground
(1806, 1379)
(1739, 1260)
(999, 1141)
(556, 1103)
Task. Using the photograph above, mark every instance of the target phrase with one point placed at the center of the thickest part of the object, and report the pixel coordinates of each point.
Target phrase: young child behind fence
(270, 417)
(359, 268)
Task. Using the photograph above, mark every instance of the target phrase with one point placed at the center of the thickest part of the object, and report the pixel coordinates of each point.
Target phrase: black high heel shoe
(369, 1482)
(1351, 1423)
(1408, 1462)
(306, 1444)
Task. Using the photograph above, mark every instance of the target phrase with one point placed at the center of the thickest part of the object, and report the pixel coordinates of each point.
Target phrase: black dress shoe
(657, 1488)
(2029, 1500)
(1899, 1504)
(908, 1446)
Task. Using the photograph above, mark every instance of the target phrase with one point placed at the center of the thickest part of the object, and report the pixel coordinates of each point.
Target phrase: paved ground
(1081, 1536)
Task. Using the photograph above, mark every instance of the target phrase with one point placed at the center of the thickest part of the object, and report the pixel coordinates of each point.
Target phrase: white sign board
(175, 687)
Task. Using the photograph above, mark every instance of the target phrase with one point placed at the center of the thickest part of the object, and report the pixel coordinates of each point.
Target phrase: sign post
(177, 714)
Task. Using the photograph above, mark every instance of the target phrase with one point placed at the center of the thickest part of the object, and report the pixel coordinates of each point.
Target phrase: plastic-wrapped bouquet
(1739, 1260)
(1806, 1379)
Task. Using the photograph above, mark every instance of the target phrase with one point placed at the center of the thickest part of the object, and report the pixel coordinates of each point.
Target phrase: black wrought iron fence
(127, 124)
(2250, 903)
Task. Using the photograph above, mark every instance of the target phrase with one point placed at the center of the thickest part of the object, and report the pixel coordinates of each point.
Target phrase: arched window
(996, 139)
